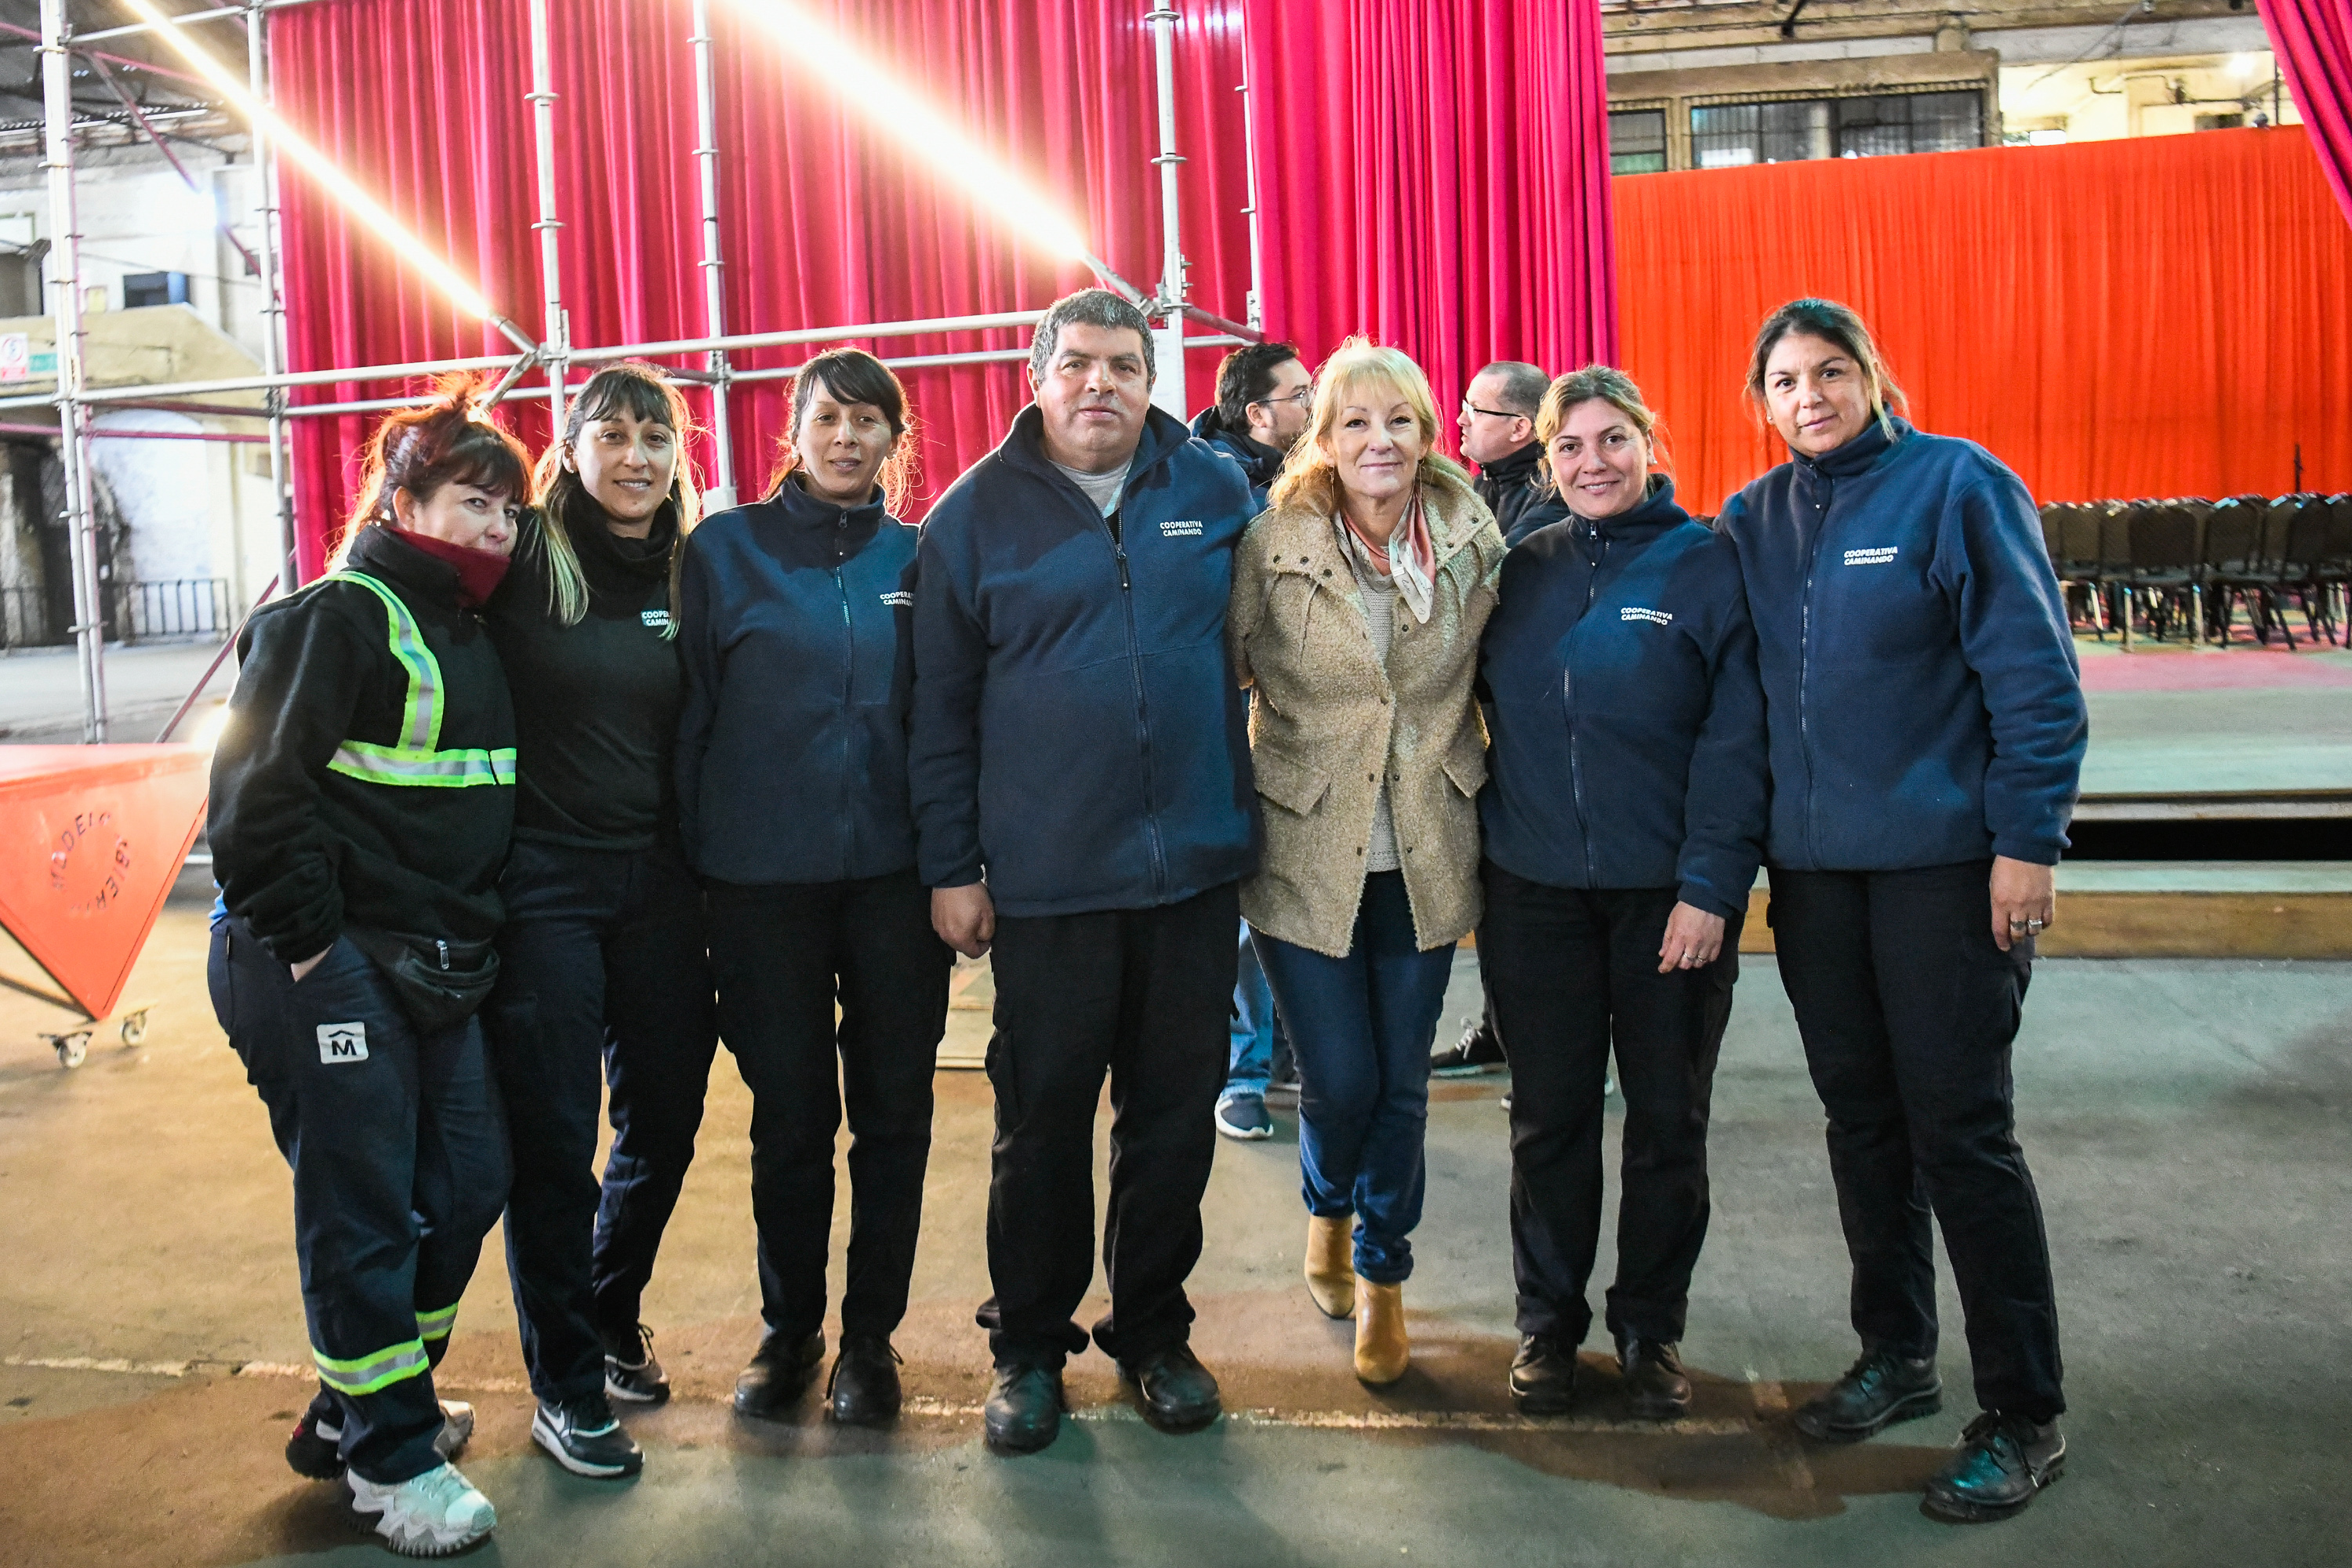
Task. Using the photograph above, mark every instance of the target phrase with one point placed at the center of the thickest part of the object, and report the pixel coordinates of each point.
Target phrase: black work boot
(779, 1372)
(1179, 1393)
(1656, 1387)
(1023, 1412)
(2002, 1461)
(864, 1387)
(1543, 1376)
(1877, 1391)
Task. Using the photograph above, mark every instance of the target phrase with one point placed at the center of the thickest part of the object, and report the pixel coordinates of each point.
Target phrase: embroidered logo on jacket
(898, 599)
(342, 1043)
(655, 620)
(1656, 618)
(1879, 555)
(1186, 529)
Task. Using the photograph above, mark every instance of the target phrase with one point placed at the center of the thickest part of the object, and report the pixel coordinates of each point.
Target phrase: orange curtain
(2113, 320)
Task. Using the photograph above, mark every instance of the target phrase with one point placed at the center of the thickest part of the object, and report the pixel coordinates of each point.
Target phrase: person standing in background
(1263, 392)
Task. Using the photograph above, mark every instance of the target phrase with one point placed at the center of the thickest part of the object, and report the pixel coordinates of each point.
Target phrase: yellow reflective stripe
(420, 724)
(447, 770)
(417, 759)
(436, 1325)
(367, 1374)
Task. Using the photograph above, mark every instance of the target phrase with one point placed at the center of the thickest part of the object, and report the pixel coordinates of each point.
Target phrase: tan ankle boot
(1383, 1352)
(1331, 1264)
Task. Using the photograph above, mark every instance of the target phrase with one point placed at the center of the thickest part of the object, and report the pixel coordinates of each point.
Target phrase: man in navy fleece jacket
(1083, 802)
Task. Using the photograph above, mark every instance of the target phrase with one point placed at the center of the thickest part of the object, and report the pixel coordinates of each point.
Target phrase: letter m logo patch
(342, 1043)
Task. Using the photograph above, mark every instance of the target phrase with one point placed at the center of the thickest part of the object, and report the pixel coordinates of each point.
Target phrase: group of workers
(543, 790)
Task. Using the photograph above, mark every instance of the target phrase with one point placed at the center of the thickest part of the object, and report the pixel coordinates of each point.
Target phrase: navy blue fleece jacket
(1922, 692)
(1076, 732)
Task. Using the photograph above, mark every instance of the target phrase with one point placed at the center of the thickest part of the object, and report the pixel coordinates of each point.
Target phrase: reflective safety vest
(418, 759)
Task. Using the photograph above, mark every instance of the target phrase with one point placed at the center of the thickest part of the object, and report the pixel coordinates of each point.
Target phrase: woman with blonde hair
(1357, 601)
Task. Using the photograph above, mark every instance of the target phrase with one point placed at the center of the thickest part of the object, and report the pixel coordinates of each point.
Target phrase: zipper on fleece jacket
(1142, 711)
(1568, 696)
(848, 712)
(1804, 663)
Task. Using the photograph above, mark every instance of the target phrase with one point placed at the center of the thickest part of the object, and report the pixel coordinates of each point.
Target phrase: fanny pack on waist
(439, 981)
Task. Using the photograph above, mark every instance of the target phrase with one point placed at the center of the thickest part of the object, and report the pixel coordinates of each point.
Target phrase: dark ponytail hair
(1832, 324)
(853, 375)
(639, 390)
(449, 440)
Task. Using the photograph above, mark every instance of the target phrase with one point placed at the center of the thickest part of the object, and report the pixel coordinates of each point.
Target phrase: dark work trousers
(400, 1170)
(1573, 972)
(1362, 1027)
(785, 953)
(1907, 1008)
(1142, 995)
(602, 977)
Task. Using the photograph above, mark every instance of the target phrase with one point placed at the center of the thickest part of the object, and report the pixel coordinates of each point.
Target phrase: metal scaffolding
(75, 402)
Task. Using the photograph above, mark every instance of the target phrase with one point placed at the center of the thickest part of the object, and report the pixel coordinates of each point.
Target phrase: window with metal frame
(1637, 142)
(1783, 130)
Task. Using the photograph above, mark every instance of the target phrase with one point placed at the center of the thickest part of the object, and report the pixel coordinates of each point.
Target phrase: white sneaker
(431, 1515)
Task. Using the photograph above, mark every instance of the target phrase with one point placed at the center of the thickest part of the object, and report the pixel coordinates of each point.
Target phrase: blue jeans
(1251, 1067)
(1362, 1027)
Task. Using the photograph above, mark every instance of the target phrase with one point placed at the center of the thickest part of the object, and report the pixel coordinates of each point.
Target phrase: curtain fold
(1438, 177)
(2313, 39)
(1479, 230)
(2169, 315)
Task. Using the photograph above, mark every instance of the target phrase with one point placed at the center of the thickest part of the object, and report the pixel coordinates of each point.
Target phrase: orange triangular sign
(91, 839)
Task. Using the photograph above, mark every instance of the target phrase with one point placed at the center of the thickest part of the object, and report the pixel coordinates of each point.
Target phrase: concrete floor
(2188, 1123)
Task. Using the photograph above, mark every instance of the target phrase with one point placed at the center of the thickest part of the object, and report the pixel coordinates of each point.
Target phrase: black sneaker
(2002, 1461)
(1656, 1387)
(1877, 1391)
(1023, 1412)
(1477, 1051)
(586, 1438)
(779, 1372)
(631, 1372)
(1543, 1376)
(1243, 1117)
(314, 1448)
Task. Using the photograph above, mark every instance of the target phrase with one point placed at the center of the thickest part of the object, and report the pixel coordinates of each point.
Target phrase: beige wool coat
(1329, 722)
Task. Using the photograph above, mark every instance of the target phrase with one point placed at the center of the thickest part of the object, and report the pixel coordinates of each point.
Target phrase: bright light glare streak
(291, 144)
(893, 106)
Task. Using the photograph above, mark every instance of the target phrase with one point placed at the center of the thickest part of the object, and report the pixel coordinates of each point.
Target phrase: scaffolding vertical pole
(1255, 315)
(720, 494)
(73, 415)
(273, 304)
(1168, 391)
(555, 331)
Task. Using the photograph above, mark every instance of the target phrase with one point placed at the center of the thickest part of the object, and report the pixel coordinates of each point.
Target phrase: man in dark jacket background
(1079, 767)
(1498, 434)
(1265, 394)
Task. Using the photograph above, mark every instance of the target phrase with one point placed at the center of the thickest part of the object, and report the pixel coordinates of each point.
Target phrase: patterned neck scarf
(1406, 558)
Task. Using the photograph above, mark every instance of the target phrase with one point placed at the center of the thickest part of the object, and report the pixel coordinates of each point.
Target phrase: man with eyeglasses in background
(1265, 395)
(1498, 434)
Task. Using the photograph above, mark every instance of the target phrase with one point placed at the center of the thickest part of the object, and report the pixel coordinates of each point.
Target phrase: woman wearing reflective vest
(362, 794)
(1927, 732)
(1623, 826)
(792, 772)
(1357, 605)
(603, 973)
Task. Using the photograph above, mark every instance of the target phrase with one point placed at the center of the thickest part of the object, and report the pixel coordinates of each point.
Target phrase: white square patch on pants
(342, 1043)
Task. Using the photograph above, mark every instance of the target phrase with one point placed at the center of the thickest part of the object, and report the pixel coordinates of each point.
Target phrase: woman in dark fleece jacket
(1623, 821)
(1926, 729)
(604, 977)
(361, 797)
(791, 777)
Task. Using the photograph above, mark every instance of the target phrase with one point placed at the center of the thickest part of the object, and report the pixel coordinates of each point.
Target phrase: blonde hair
(639, 390)
(1310, 475)
(1593, 383)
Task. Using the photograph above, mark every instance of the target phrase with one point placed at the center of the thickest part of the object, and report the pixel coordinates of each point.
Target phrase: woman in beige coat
(1358, 602)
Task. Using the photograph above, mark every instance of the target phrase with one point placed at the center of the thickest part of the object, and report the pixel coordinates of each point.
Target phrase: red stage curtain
(1437, 175)
(2313, 39)
(2164, 317)
(824, 223)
